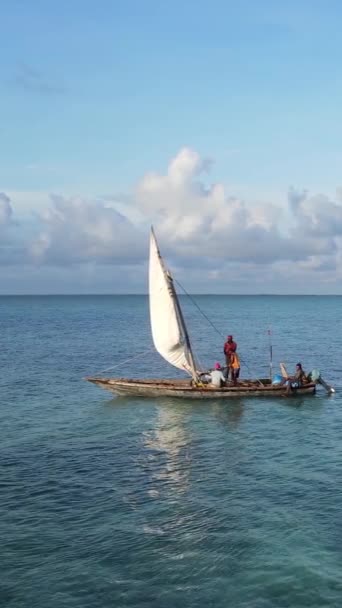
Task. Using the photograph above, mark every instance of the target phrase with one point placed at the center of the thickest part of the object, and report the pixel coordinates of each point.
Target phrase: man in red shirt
(229, 347)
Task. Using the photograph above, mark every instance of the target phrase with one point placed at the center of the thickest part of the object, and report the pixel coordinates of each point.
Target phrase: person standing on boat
(229, 347)
(235, 366)
(217, 378)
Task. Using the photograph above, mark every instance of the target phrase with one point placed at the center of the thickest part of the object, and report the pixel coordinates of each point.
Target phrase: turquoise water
(126, 502)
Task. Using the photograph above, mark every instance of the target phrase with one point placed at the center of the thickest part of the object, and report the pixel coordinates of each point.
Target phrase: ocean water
(167, 503)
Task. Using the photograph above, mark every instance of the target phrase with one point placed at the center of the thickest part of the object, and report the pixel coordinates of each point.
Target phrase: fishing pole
(269, 331)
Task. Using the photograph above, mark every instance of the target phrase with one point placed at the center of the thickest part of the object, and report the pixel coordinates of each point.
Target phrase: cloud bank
(214, 240)
(5, 210)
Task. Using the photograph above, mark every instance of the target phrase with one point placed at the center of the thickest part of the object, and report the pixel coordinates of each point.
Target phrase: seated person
(296, 381)
(217, 378)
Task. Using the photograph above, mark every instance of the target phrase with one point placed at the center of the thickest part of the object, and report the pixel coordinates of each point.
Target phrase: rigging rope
(126, 361)
(200, 310)
(209, 321)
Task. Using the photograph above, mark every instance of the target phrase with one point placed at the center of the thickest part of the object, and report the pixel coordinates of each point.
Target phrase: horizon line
(123, 294)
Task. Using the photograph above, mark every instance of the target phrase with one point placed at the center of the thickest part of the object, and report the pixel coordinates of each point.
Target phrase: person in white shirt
(217, 378)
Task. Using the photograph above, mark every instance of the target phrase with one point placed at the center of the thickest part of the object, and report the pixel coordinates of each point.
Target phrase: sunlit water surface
(129, 502)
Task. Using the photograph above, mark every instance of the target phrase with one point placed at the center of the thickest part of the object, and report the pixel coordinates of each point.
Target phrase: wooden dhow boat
(188, 390)
(171, 340)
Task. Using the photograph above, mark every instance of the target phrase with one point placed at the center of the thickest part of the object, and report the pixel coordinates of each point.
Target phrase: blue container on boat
(277, 379)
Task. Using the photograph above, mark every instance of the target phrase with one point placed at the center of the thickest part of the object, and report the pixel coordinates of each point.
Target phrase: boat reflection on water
(169, 446)
(169, 442)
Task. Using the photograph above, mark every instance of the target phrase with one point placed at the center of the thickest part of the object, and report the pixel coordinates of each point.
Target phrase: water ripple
(163, 503)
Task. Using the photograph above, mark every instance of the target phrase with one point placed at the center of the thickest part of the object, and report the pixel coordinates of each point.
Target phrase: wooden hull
(183, 388)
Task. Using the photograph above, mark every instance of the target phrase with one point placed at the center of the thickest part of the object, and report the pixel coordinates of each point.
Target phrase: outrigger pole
(271, 353)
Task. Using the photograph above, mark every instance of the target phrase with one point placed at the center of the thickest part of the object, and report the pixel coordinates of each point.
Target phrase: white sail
(168, 329)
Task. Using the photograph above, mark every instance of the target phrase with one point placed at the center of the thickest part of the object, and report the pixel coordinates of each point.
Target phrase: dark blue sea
(110, 503)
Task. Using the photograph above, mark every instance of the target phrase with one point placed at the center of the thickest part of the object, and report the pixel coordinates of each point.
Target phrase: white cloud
(214, 240)
(81, 231)
(193, 218)
(11, 247)
(5, 210)
(318, 216)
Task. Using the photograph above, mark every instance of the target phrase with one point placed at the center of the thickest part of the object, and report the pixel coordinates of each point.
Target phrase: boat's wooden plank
(180, 383)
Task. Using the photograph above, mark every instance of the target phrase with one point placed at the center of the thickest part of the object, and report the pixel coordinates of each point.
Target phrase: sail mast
(184, 328)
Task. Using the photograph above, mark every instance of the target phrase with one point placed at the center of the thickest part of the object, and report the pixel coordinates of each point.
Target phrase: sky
(217, 122)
